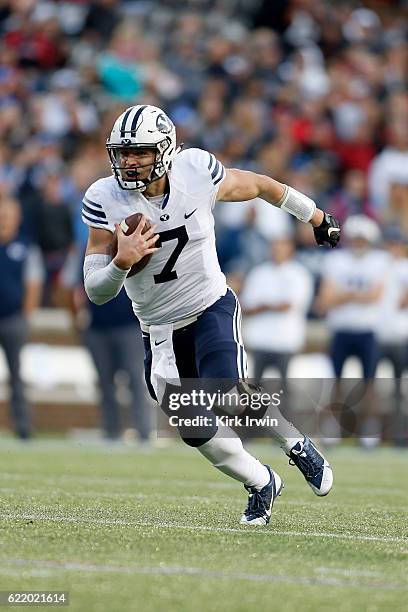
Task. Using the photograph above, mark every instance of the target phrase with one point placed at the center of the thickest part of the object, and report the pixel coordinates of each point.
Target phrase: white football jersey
(183, 277)
(271, 283)
(393, 327)
(355, 272)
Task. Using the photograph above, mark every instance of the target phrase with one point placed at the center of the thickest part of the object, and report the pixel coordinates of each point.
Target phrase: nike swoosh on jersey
(186, 216)
(333, 229)
(158, 343)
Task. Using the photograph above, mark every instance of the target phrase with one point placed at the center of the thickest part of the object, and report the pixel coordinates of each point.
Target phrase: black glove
(328, 232)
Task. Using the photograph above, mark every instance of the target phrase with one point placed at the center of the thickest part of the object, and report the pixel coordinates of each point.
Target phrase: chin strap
(117, 174)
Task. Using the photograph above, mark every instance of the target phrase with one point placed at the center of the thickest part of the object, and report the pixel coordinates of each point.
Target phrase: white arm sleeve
(297, 204)
(102, 278)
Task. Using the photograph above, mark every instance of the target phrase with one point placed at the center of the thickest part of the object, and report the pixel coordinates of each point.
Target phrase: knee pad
(194, 434)
(196, 442)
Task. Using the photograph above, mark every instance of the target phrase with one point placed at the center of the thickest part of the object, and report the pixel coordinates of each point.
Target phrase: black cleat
(259, 509)
(313, 465)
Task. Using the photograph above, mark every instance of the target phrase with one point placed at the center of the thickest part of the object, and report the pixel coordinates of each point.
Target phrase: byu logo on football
(163, 124)
(164, 217)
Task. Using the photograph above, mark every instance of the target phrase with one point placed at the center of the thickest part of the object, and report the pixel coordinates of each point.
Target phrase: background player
(189, 318)
(351, 293)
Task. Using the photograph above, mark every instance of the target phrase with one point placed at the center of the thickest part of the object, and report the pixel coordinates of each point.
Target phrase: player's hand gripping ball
(128, 226)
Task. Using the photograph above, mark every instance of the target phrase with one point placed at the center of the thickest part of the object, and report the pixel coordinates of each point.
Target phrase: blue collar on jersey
(166, 199)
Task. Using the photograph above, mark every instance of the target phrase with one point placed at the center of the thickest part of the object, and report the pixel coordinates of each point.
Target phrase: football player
(189, 317)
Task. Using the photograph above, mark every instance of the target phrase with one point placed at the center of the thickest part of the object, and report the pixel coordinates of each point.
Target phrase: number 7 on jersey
(179, 234)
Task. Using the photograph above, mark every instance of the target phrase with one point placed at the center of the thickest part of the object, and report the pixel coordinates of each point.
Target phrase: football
(128, 226)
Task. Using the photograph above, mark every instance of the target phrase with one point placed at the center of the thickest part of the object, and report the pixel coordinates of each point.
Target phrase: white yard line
(28, 573)
(196, 571)
(163, 525)
(104, 494)
(348, 572)
(152, 482)
(99, 446)
(94, 494)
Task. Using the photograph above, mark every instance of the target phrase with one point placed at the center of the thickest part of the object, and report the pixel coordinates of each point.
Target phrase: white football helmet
(361, 226)
(142, 126)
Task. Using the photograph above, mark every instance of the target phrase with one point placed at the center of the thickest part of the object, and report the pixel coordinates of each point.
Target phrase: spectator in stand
(390, 166)
(357, 151)
(397, 209)
(275, 300)
(61, 113)
(118, 68)
(352, 199)
(102, 17)
(54, 232)
(20, 294)
(35, 36)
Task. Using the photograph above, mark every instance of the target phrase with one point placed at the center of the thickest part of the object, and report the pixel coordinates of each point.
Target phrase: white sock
(229, 456)
(285, 432)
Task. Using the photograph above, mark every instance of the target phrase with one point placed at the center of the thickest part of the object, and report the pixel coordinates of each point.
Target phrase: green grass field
(123, 530)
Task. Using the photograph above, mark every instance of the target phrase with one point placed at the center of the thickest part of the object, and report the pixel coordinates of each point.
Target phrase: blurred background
(311, 92)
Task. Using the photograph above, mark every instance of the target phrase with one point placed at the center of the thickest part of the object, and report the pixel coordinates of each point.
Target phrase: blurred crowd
(319, 102)
(311, 92)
